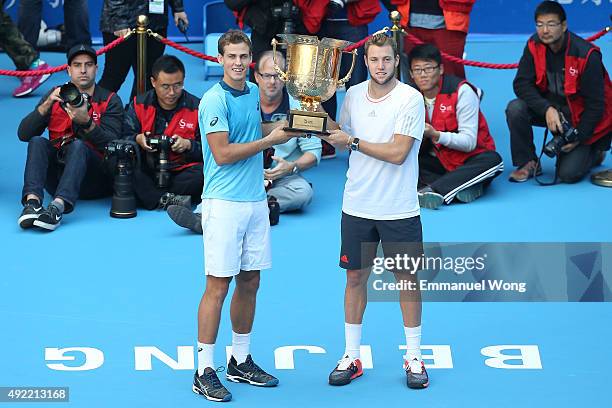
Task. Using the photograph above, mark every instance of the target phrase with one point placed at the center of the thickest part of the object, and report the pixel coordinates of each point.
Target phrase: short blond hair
(380, 40)
(233, 37)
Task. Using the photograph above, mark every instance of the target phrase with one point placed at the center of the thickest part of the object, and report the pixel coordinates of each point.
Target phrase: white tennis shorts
(236, 237)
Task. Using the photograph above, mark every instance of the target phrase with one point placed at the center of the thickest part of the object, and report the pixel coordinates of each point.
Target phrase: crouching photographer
(164, 123)
(561, 84)
(81, 118)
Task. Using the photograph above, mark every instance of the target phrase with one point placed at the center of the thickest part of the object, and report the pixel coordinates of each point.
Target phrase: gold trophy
(313, 67)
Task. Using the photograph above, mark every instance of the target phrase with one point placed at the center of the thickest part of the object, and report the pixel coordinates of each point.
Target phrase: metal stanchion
(141, 35)
(396, 32)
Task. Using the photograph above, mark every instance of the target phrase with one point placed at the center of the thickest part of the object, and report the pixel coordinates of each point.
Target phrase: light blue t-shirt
(224, 109)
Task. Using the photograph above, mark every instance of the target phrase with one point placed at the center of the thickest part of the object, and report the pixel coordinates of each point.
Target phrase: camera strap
(539, 166)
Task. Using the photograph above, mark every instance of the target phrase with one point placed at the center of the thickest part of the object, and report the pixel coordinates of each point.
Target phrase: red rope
(189, 50)
(479, 64)
(61, 67)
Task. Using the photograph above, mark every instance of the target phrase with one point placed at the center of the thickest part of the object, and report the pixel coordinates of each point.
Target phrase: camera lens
(71, 95)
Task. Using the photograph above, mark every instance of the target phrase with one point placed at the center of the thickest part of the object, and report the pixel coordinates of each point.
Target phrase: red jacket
(444, 119)
(456, 13)
(60, 124)
(577, 54)
(184, 123)
(314, 12)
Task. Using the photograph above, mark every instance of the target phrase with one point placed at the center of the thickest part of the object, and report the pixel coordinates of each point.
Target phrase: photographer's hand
(141, 139)
(79, 115)
(553, 120)
(180, 145)
(45, 107)
(282, 168)
(181, 16)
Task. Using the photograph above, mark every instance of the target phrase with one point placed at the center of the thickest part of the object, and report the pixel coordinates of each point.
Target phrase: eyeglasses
(175, 87)
(539, 26)
(268, 77)
(426, 70)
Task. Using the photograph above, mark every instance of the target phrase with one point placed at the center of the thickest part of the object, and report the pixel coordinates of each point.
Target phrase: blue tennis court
(125, 292)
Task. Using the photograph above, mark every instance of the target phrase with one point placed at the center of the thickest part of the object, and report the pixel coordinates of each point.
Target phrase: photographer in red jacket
(164, 123)
(561, 84)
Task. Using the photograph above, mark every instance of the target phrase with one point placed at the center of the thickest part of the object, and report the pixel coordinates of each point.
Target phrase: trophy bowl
(311, 77)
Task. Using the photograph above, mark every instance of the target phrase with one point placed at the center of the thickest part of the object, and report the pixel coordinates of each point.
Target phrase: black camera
(123, 155)
(567, 135)
(70, 95)
(335, 6)
(288, 13)
(162, 144)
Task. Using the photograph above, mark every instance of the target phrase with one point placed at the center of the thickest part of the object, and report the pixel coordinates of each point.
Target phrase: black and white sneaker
(169, 199)
(31, 211)
(49, 219)
(209, 386)
(249, 372)
(416, 374)
(185, 218)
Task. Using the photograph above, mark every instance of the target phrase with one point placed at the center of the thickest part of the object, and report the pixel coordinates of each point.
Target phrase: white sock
(240, 346)
(413, 343)
(352, 338)
(206, 353)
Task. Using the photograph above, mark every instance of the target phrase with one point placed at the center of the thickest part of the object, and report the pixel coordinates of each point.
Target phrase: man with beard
(382, 124)
(69, 164)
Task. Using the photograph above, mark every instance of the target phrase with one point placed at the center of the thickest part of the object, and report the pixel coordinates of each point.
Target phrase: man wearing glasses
(286, 162)
(561, 84)
(457, 159)
(166, 110)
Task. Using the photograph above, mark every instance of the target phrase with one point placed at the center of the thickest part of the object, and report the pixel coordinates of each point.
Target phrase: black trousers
(189, 181)
(571, 167)
(481, 168)
(120, 59)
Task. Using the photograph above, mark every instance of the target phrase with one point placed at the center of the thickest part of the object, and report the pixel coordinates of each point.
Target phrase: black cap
(81, 49)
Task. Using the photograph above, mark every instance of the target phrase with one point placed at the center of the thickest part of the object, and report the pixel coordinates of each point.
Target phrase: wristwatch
(354, 146)
(296, 169)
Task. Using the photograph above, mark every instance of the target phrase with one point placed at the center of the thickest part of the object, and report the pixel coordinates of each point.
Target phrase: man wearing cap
(69, 163)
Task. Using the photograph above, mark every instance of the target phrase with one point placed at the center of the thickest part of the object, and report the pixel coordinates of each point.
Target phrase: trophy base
(603, 178)
(307, 122)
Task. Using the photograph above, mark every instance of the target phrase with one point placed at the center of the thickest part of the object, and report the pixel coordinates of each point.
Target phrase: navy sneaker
(416, 375)
(471, 193)
(49, 219)
(430, 199)
(31, 211)
(186, 218)
(209, 386)
(249, 372)
(346, 371)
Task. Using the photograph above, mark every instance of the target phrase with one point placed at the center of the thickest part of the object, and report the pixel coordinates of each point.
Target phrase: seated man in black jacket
(69, 164)
(166, 112)
(561, 83)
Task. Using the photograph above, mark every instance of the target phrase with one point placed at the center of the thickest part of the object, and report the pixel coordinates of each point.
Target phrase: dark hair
(380, 40)
(425, 52)
(550, 7)
(233, 37)
(168, 64)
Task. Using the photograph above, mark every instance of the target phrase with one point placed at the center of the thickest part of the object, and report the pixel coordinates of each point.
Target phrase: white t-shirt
(376, 189)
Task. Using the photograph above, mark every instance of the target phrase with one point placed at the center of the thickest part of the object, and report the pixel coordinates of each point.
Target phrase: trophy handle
(348, 75)
(282, 75)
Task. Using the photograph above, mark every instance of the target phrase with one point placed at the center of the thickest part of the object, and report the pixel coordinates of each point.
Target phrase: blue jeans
(76, 21)
(82, 175)
(343, 30)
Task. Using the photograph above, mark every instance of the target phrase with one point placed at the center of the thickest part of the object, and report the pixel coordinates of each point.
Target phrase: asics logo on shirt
(214, 121)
